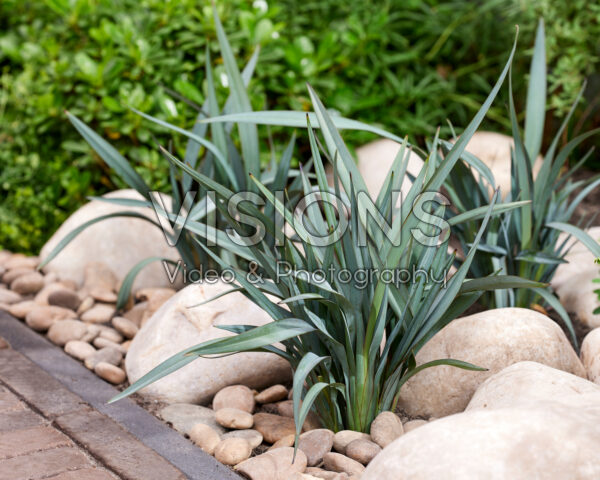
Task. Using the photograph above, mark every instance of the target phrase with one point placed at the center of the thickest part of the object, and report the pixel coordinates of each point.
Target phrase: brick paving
(47, 432)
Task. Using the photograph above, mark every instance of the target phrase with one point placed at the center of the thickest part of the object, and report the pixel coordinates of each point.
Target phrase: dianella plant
(361, 285)
(526, 242)
(224, 151)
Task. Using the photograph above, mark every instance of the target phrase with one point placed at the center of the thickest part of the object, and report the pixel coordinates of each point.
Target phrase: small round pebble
(287, 441)
(125, 327)
(272, 394)
(336, 462)
(362, 451)
(205, 437)
(107, 354)
(100, 342)
(412, 424)
(234, 396)
(110, 373)
(232, 451)
(234, 418)
(28, 284)
(386, 428)
(342, 438)
(63, 331)
(253, 437)
(111, 334)
(79, 350)
(65, 298)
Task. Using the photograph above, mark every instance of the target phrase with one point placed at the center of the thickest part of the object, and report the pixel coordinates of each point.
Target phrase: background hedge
(407, 65)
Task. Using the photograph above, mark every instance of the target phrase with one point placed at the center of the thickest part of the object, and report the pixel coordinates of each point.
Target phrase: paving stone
(18, 419)
(28, 440)
(37, 387)
(42, 464)
(117, 449)
(9, 402)
(84, 474)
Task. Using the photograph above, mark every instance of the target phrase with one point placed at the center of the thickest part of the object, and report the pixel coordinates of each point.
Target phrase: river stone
(273, 427)
(234, 418)
(120, 242)
(42, 317)
(101, 342)
(110, 373)
(65, 298)
(136, 313)
(528, 382)
(125, 327)
(178, 325)
(287, 441)
(99, 313)
(273, 465)
(315, 444)
(363, 451)
(493, 149)
(154, 298)
(336, 462)
(9, 297)
(272, 394)
(253, 437)
(342, 438)
(386, 428)
(41, 298)
(18, 260)
(206, 437)
(11, 275)
(493, 339)
(234, 396)
(28, 284)
(546, 441)
(573, 281)
(63, 331)
(106, 354)
(87, 303)
(21, 309)
(232, 451)
(111, 334)
(325, 474)
(412, 424)
(79, 350)
(183, 416)
(590, 355)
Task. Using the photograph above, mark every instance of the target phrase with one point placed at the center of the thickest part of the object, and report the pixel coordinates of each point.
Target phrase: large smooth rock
(493, 339)
(493, 149)
(179, 324)
(119, 242)
(590, 355)
(573, 281)
(374, 162)
(528, 383)
(544, 441)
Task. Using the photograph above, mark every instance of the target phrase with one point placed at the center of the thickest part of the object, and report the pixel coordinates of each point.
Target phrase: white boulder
(179, 324)
(493, 339)
(544, 441)
(119, 242)
(573, 281)
(529, 383)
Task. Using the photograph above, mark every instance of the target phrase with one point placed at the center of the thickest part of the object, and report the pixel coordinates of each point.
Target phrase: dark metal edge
(171, 445)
